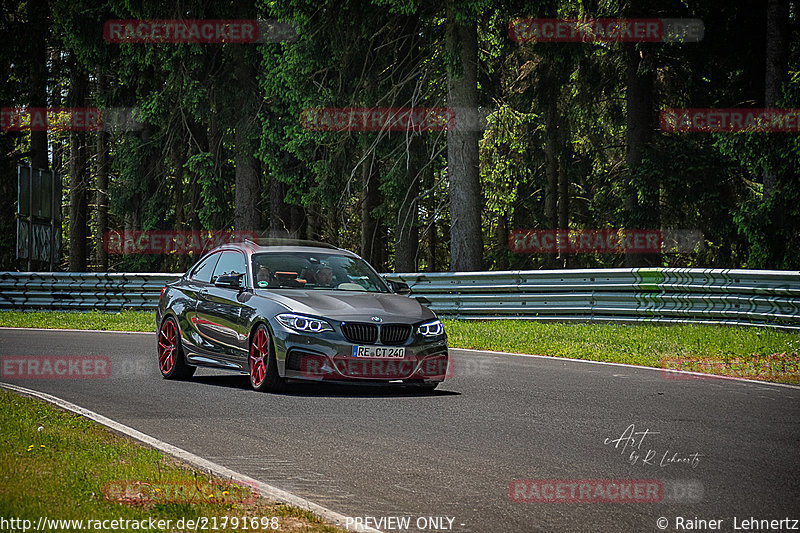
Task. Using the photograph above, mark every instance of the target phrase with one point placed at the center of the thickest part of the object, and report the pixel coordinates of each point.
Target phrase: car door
(222, 316)
(194, 288)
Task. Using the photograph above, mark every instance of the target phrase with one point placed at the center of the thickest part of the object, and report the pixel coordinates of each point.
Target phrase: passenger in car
(263, 276)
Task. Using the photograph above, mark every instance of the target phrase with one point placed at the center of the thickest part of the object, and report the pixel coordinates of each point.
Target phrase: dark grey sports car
(310, 311)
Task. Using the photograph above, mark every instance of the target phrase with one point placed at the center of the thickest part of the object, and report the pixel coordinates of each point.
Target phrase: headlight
(303, 323)
(431, 329)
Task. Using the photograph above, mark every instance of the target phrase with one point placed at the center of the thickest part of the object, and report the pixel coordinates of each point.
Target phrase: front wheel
(170, 352)
(263, 366)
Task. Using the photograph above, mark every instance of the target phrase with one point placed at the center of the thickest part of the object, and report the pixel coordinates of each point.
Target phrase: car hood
(349, 305)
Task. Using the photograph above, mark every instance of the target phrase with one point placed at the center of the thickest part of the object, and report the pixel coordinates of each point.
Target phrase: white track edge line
(196, 461)
(627, 365)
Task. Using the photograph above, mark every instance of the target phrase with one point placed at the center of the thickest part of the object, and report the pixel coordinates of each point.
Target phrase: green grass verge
(761, 353)
(122, 321)
(59, 465)
(751, 352)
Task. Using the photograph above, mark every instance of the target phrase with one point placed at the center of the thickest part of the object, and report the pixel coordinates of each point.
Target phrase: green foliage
(212, 210)
(178, 170)
(119, 321)
(770, 226)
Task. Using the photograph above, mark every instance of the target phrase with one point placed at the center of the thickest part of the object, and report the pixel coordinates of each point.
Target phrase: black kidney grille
(395, 333)
(360, 333)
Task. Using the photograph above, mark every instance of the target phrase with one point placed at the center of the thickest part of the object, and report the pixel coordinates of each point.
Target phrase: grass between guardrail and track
(765, 354)
(61, 466)
(122, 321)
(752, 352)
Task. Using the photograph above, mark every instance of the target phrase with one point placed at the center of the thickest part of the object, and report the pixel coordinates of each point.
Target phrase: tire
(263, 368)
(170, 352)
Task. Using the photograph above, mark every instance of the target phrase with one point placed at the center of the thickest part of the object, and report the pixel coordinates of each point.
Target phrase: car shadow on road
(338, 390)
(231, 381)
(325, 389)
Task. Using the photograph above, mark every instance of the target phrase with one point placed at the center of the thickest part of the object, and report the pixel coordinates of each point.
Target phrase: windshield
(314, 271)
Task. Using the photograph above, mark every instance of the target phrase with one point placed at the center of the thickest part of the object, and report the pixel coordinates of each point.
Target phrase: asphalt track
(718, 449)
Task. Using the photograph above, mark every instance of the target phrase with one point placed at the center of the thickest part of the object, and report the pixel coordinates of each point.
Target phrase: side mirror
(400, 287)
(229, 281)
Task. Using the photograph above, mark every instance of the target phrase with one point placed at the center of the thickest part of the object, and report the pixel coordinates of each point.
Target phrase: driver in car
(324, 276)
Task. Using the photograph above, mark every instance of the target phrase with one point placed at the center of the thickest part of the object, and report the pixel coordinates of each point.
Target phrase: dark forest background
(572, 138)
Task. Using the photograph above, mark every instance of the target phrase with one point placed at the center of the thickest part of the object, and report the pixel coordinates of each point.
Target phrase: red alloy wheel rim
(259, 352)
(167, 344)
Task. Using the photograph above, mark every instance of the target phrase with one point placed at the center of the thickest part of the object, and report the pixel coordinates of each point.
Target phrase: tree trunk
(78, 180)
(246, 138)
(551, 168)
(466, 243)
(37, 17)
(431, 232)
(198, 144)
(407, 234)
(101, 185)
(278, 215)
(370, 225)
(563, 196)
(215, 135)
(639, 127)
(501, 242)
(297, 217)
(776, 66)
(248, 184)
(407, 230)
(433, 243)
(195, 199)
(332, 227)
(181, 155)
(312, 222)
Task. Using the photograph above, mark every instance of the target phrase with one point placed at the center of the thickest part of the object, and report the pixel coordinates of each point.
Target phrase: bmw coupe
(297, 312)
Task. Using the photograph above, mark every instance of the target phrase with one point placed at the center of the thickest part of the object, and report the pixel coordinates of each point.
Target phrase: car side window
(202, 272)
(231, 262)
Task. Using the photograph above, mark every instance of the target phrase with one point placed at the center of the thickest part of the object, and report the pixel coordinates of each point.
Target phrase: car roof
(255, 246)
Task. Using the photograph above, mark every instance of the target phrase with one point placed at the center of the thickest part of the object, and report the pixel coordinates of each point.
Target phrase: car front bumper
(325, 359)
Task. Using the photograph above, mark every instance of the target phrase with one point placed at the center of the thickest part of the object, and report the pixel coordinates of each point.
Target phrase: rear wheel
(170, 352)
(263, 366)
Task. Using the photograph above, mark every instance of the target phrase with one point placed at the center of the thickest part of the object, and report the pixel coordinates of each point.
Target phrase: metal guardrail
(666, 295)
(81, 291)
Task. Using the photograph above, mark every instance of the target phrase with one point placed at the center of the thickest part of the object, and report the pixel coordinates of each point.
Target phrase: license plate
(383, 352)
